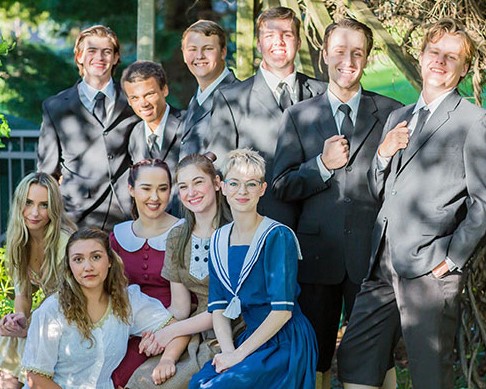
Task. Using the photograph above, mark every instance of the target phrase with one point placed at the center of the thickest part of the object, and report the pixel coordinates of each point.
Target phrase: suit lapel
(326, 125)
(436, 121)
(170, 132)
(120, 105)
(365, 121)
(304, 92)
(264, 97)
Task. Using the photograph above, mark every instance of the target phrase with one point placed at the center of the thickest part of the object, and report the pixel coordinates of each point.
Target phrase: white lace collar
(130, 242)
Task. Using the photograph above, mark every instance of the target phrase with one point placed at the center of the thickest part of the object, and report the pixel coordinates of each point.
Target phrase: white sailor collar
(130, 242)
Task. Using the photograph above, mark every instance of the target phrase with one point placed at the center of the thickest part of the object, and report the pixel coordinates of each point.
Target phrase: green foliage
(5, 47)
(34, 72)
(7, 289)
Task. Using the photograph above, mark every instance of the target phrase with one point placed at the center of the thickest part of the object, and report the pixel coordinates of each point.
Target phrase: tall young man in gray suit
(429, 172)
(248, 114)
(322, 158)
(157, 135)
(204, 51)
(84, 135)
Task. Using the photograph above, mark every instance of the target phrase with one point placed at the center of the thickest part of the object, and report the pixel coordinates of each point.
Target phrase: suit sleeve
(473, 228)
(49, 149)
(223, 135)
(294, 177)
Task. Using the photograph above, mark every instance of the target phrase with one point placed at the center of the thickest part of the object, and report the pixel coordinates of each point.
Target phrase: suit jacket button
(348, 168)
(347, 231)
(347, 200)
(393, 192)
(110, 156)
(385, 220)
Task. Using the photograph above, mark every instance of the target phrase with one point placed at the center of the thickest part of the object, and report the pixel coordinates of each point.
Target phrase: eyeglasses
(251, 186)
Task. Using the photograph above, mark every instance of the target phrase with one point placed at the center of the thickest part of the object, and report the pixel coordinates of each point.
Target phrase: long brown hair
(223, 214)
(72, 300)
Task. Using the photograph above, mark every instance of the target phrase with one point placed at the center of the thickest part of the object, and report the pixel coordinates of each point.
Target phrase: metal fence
(18, 158)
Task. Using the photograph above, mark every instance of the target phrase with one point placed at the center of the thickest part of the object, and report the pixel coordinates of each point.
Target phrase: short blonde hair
(244, 160)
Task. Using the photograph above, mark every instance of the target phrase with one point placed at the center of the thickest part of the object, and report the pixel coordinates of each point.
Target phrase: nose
(440, 58)
(88, 265)
(242, 188)
(200, 53)
(154, 195)
(35, 210)
(191, 190)
(278, 39)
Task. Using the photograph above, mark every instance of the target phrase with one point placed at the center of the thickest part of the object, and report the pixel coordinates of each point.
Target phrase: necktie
(154, 146)
(422, 119)
(347, 126)
(423, 114)
(99, 110)
(285, 100)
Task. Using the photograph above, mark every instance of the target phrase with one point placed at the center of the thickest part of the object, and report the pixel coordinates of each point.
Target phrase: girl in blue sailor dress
(253, 272)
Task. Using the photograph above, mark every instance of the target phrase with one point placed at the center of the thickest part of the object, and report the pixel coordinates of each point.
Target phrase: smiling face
(35, 213)
(443, 64)
(346, 58)
(278, 43)
(97, 59)
(197, 190)
(151, 191)
(243, 189)
(204, 57)
(147, 100)
(89, 264)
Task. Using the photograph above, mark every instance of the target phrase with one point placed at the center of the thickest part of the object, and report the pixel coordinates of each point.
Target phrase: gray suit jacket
(91, 159)
(139, 149)
(247, 115)
(337, 217)
(195, 127)
(434, 206)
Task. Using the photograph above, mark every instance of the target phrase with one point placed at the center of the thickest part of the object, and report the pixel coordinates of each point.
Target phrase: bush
(7, 290)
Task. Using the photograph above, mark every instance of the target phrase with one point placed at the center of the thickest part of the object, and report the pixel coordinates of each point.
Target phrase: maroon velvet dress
(143, 259)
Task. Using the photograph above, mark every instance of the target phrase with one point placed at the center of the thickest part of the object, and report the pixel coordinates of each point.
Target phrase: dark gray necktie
(154, 146)
(423, 114)
(347, 126)
(99, 110)
(285, 100)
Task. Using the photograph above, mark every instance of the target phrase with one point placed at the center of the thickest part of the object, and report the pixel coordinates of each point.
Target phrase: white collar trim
(130, 242)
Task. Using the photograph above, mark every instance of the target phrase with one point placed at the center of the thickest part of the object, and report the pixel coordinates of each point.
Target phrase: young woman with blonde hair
(37, 232)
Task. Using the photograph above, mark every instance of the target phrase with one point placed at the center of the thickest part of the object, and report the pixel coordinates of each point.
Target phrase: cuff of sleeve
(164, 323)
(382, 161)
(325, 174)
(215, 305)
(451, 265)
(282, 305)
(34, 370)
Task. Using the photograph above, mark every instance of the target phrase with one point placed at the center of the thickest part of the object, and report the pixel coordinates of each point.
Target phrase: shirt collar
(90, 92)
(159, 131)
(203, 95)
(431, 106)
(272, 80)
(353, 103)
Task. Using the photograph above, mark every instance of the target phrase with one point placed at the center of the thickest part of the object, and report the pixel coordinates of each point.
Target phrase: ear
(263, 189)
(325, 56)
(224, 51)
(117, 59)
(223, 188)
(259, 46)
(131, 191)
(165, 91)
(217, 183)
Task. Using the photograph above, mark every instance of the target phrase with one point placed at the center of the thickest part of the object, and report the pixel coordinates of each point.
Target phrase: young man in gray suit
(157, 135)
(248, 114)
(429, 173)
(204, 51)
(324, 151)
(84, 135)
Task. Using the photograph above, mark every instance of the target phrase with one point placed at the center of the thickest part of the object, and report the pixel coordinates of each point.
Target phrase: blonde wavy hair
(72, 300)
(18, 234)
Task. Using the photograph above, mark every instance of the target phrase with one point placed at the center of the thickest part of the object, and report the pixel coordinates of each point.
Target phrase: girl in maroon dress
(141, 244)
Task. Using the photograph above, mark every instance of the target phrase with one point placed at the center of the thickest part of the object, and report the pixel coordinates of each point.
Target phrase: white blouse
(57, 349)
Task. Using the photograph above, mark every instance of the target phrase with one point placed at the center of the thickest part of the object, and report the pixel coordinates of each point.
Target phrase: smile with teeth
(153, 206)
(195, 201)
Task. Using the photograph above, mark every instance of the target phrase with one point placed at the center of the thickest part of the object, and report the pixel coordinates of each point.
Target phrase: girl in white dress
(79, 335)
